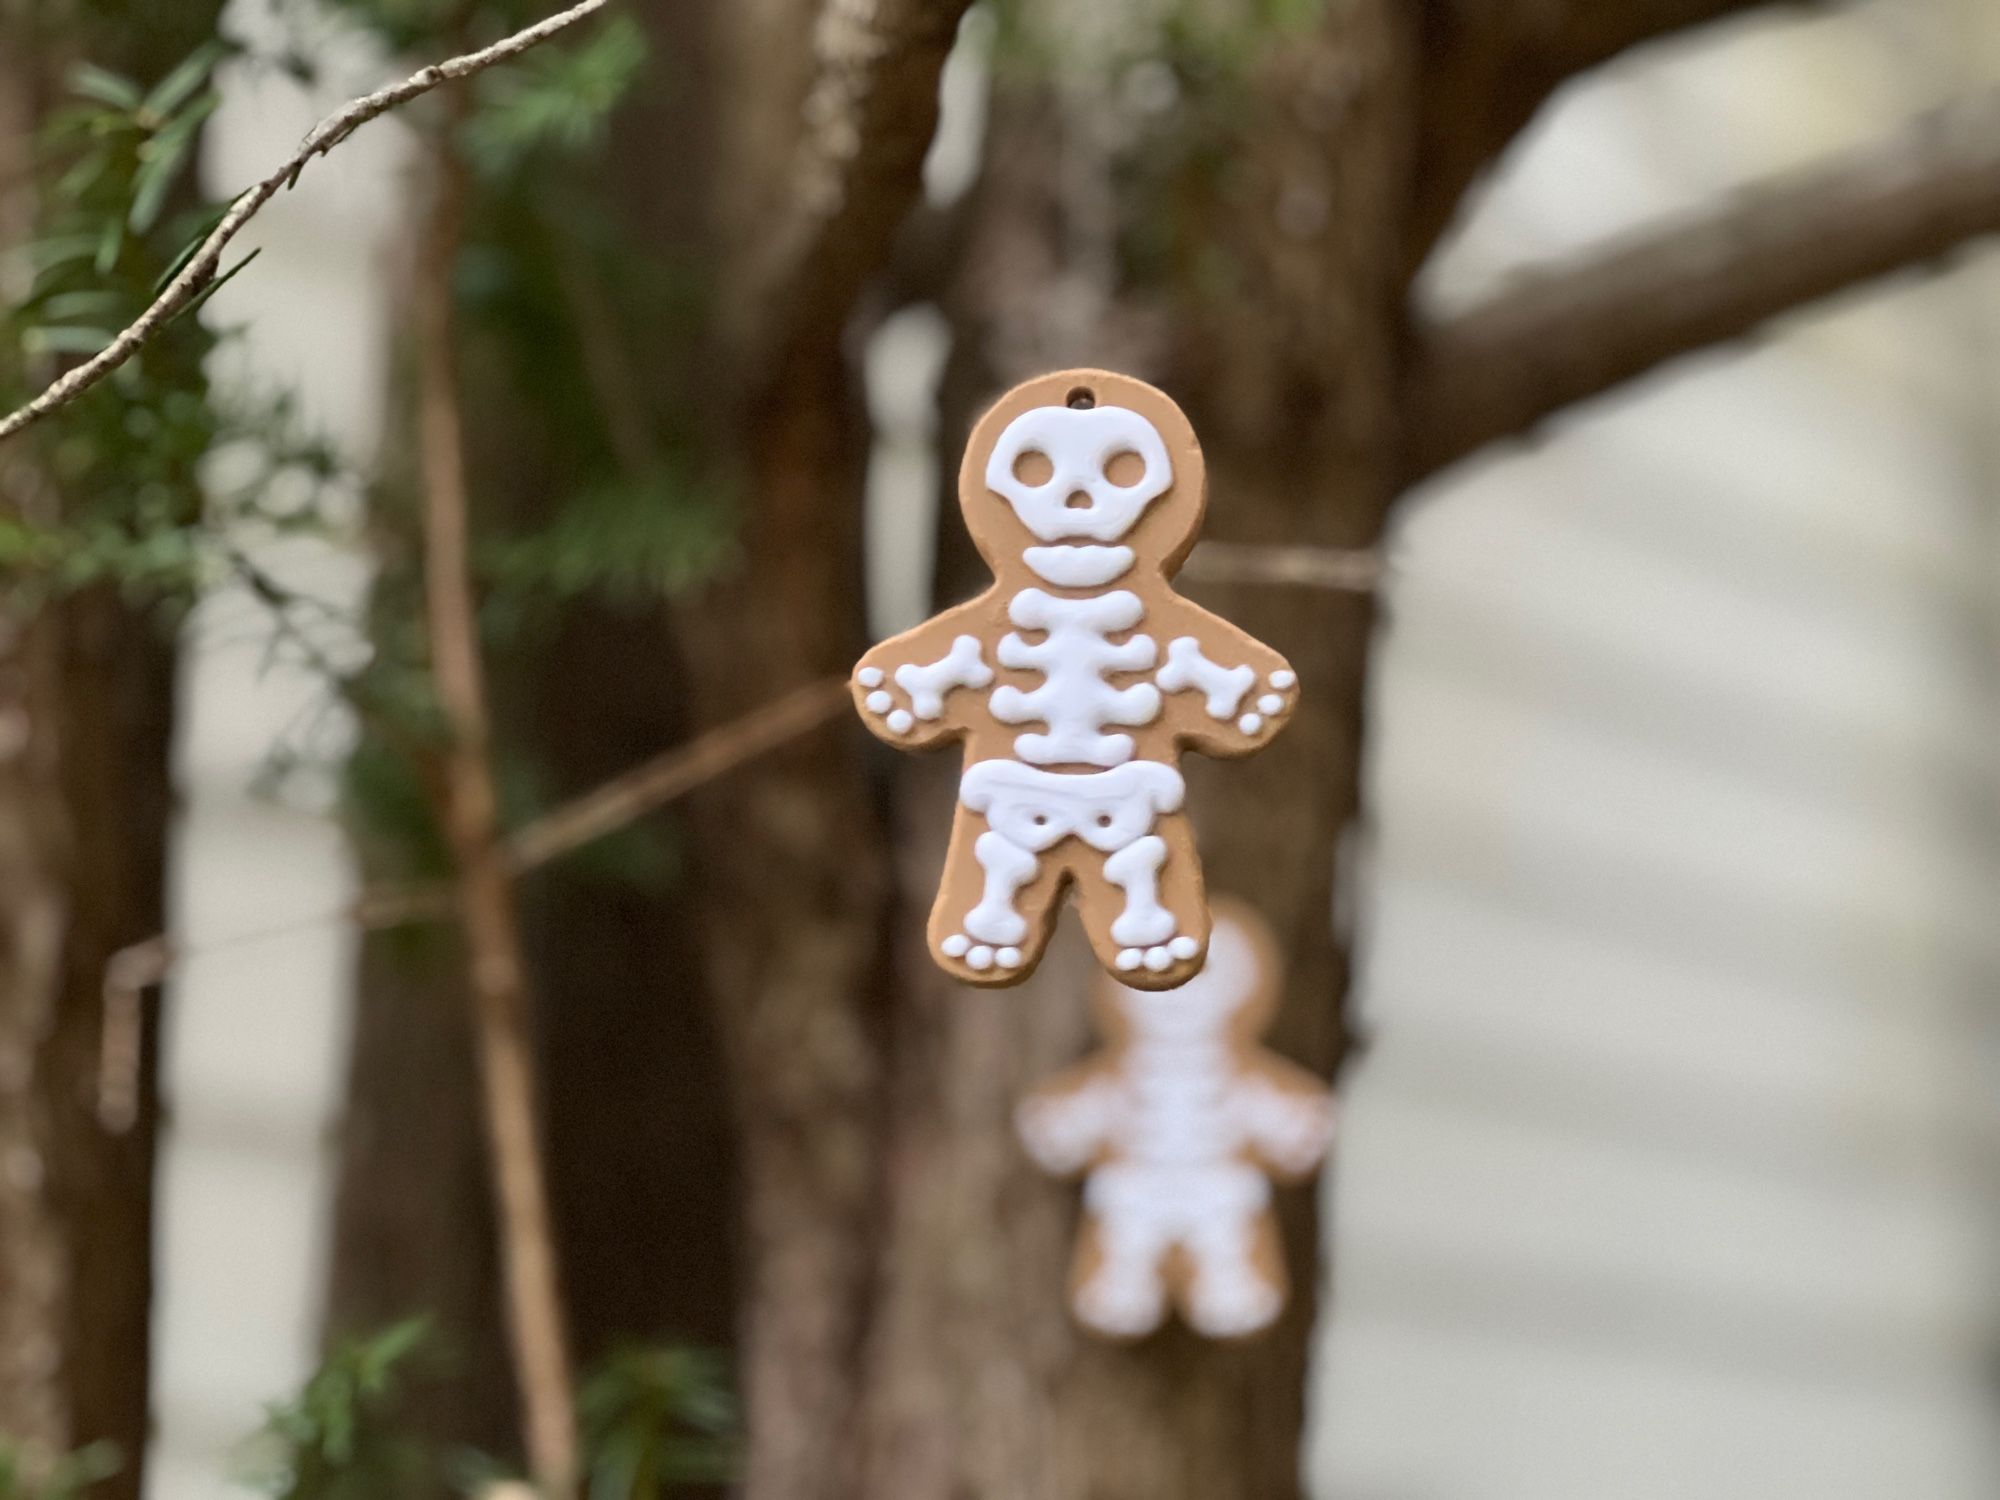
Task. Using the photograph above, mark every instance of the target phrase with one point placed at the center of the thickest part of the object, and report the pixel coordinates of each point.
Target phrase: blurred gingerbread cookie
(1076, 681)
(1178, 1127)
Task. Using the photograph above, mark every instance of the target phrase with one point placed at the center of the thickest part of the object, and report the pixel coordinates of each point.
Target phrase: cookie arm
(927, 685)
(1068, 1125)
(1241, 690)
(1286, 1115)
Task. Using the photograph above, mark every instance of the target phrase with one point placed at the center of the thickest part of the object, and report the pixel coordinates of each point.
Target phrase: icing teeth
(1130, 959)
(880, 702)
(901, 721)
(980, 958)
(1283, 680)
(1158, 959)
(1079, 567)
(1250, 723)
(869, 677)
(1007, 958)
(1184, 947)
(955, 946)
(1270, 703)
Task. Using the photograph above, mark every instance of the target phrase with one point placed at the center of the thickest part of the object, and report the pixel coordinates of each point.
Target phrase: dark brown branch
(1571, 332)
(1490, 65)
(200, 272)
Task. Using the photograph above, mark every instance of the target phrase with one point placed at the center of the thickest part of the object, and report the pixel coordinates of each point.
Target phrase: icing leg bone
(1136, 869)
(1228, 1296)
(1125, 1294)
(1008, 867)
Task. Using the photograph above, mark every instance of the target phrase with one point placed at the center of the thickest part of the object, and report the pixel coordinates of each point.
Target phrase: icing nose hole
(1078, 500)
(1082, 398)
(1034, 468)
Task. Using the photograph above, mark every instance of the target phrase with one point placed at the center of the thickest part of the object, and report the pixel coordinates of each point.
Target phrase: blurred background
(1651, 805)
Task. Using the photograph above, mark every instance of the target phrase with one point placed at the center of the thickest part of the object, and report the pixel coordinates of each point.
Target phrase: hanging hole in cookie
(1083, 398)
(1104, 820)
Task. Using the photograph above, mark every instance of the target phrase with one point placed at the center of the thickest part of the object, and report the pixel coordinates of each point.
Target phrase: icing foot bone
(1075, 684)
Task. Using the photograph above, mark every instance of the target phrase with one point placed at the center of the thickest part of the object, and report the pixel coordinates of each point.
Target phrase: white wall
(257, 1029)
(1668, 1171)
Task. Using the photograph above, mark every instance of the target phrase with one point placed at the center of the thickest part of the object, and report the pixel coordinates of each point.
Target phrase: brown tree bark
(87, 696)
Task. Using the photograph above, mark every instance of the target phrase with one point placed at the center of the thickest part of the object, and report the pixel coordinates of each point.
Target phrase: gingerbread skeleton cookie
(1179, 1125)
(1075, 682)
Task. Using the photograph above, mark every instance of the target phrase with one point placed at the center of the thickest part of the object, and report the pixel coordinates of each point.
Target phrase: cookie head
(1229, 1000)
(1082, 472)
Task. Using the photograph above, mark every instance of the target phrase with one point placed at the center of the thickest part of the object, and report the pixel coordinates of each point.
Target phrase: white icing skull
(1079, 499)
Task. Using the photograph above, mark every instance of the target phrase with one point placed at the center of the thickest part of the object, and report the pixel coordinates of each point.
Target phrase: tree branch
(868, 119)
(196, 277)
(1490, 65)
(1571, 332)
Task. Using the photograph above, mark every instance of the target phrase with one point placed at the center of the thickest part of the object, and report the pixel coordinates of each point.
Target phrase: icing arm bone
(1246, 690)
(911, 698)
(1287, 1121)
(1067, 1126)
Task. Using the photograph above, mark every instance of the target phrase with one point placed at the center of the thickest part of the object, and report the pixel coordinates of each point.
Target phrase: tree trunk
(976, 1381)
(87, 698)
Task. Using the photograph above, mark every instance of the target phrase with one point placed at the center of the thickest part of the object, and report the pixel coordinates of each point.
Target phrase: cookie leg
(994, 905)
(1121, 1291)
(1237, 1287)
(1144, 910)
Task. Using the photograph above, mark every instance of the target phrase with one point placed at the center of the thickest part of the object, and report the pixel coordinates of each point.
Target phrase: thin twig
(629, 797)
(199, 272)
(597, 813)
(496, 968)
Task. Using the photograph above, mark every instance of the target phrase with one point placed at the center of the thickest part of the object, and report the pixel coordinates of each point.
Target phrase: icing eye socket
(1034, 468)
(1125, 469)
